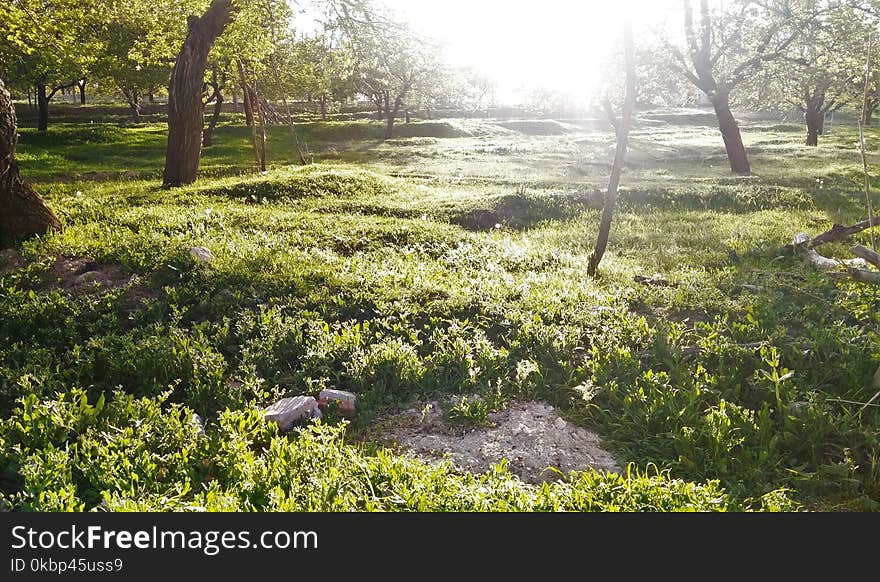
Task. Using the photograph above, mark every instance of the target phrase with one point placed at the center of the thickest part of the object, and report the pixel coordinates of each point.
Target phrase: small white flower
(79, 194)
(497, 225)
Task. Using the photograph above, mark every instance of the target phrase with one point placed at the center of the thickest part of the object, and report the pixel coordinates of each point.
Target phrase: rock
(288, 411)
(199, 423)
(347, 400)
(800, 239)
(560, 423)
(201, 254)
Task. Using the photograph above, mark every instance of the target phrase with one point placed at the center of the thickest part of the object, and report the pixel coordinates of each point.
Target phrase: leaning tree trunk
(185, 105)
(22, 211)
(42, 107)
(733, 143)
(621, 130)
(814, 120)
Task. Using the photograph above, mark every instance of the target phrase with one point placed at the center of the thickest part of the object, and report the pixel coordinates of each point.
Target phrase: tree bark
(621, 130)
(736, 151)
(42, 107)
(251, 101)
(23, 212)
(323, 107)
(82, 91)
(185, 104)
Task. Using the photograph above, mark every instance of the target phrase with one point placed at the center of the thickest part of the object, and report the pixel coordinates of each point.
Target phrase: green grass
(450, 261)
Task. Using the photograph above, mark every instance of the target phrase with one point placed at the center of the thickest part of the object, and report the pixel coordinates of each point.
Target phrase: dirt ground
(531, 436)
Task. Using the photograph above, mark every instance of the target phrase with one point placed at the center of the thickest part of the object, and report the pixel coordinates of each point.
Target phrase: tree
(621, 131)
(822, 71)
(390, 64)
(185, 101)
(726, 47)
(48, 45)
(22, 211)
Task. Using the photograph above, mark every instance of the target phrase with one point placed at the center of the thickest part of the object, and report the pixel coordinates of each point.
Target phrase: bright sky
(553, 44)
(535, 44)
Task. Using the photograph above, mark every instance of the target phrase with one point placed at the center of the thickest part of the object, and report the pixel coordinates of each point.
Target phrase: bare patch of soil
(531, 436)
(10, 260)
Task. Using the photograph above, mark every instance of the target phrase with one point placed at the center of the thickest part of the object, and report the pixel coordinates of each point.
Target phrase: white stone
(560, 423)
(801, 238)
(201, 254)
(345, 399)
(288, 411)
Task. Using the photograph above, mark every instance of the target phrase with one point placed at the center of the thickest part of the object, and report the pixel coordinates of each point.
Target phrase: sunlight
(556, 44)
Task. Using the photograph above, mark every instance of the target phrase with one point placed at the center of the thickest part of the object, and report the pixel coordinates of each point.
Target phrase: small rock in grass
(199, 423)
(800, 239)
(347, 400)
(288, 411)
(201, 254)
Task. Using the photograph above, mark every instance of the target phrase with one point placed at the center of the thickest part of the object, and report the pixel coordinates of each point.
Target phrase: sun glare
(552, 44)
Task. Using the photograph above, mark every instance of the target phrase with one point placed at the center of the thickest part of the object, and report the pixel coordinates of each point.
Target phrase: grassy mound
(308, 182)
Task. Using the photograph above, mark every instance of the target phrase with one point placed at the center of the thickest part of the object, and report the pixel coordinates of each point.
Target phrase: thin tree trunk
(42, 107)
(248, 96)
(82, 91)
(185, 105)
(23, 212)
(207, 138)
(234, 100)
(323, 107)
(406, 115)
(621, 129)
(293, 134)
(261, 118)
(733, 143)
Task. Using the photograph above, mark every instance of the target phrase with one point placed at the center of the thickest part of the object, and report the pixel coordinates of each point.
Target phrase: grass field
(449, 260)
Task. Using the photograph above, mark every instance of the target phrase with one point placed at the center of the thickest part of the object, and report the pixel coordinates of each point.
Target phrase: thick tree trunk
(82, 91)
(185, 105)
(22, 211)
(42, 107)
(621, 130)
(323, 107)
(733, 143)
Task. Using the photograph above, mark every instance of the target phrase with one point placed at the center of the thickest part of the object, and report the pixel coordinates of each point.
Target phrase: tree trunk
(207, 139)
(185, 105)
(82, 91)
(261, 118)
(42, 107)
(621, 130)
(406, 115)
(134, 103)
(323, 107)
(234, 100)
(22, 211)
(736, 151)
(247, 97)
(249, 102)
(813, 119)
